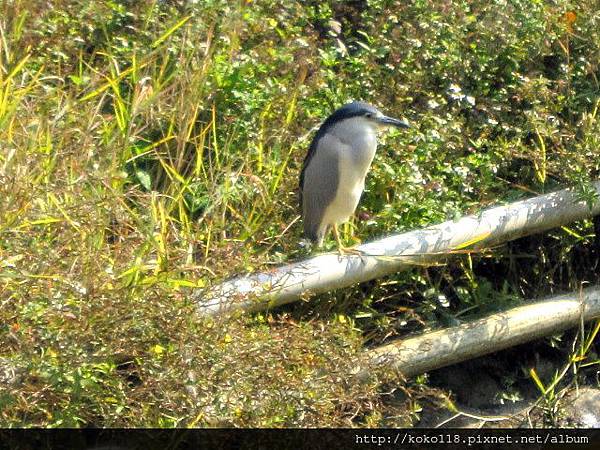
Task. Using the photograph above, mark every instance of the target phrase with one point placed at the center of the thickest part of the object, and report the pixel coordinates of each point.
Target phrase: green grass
(149, 148)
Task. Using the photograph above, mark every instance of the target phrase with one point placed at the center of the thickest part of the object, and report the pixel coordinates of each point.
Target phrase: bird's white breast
(355, 145)
(360, 143)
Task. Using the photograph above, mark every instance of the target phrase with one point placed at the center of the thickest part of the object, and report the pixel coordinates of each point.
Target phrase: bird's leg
(342, 249)
(354, 237)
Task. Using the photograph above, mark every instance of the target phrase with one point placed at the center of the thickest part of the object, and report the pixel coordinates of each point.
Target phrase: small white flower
(443, 300)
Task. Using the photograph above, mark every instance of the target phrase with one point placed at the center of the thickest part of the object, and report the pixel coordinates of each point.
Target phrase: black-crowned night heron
(334, 170)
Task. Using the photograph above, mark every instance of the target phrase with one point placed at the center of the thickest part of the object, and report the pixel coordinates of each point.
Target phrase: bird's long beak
(390, 121)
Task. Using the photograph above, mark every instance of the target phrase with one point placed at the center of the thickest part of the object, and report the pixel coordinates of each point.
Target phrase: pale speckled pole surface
(496, 332)
(259, 291)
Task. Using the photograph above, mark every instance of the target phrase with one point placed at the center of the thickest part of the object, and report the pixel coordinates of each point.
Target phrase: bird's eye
(369, 115)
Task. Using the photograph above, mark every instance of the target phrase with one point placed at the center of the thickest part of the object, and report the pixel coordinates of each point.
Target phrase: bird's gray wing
(307, 160)
(320, 179)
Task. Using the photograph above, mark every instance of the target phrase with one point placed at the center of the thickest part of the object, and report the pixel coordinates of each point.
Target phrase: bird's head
(360, 112)
(380, 120)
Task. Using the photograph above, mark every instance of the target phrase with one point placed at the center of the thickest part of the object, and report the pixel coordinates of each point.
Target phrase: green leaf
(144, 179)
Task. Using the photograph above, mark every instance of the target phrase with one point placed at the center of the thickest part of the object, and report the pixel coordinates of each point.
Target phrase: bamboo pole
(330, 271)
(441, 348)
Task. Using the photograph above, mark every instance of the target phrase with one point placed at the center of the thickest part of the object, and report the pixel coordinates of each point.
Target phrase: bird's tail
(313, 233)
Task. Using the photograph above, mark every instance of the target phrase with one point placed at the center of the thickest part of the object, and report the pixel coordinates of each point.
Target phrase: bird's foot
(347, 251)
(342, 249)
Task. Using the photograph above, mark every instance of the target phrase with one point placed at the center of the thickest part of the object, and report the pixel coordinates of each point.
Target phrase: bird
(334, 170)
